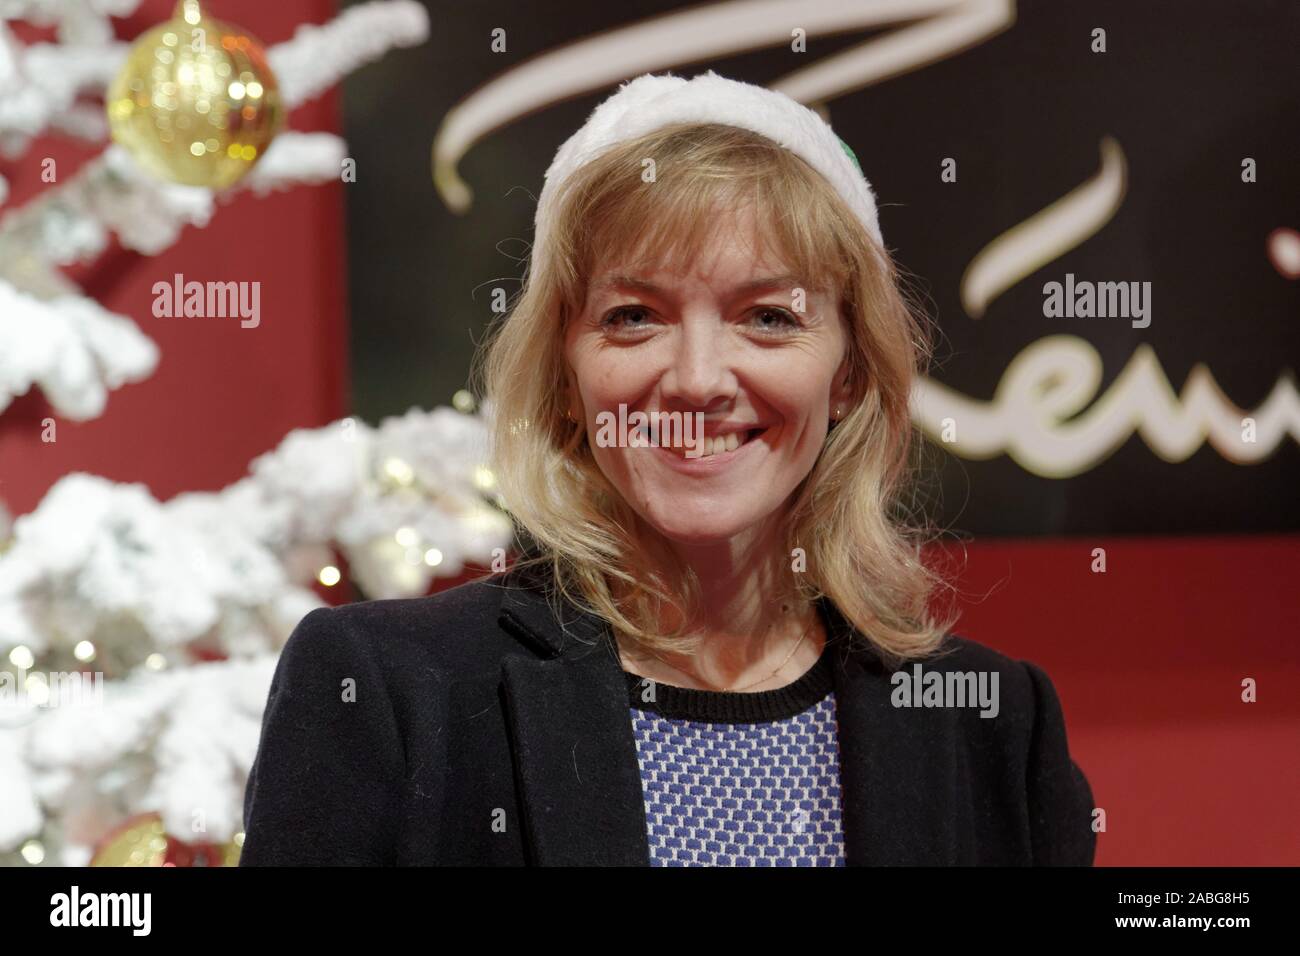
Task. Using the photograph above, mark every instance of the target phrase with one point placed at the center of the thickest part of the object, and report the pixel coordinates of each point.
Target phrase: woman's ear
(843, 392)
(571, 396)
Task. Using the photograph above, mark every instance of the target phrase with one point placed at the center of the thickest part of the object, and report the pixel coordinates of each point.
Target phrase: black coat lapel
(897, 799)
(574, 752)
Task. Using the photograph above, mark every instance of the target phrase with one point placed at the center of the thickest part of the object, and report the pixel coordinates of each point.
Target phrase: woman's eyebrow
(637, 284)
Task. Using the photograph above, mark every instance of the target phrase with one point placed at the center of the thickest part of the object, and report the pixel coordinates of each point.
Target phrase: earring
(838, 413)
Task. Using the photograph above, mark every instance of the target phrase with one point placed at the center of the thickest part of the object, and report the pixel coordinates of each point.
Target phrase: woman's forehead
(730, 247)
(727, 272)
(741, 279)
(730, 260)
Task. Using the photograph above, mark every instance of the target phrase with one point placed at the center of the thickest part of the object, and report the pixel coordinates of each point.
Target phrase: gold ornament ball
(142, 840)
(139, 841)
(196, 101)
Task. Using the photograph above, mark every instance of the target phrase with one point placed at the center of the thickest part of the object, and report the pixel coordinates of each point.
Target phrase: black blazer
(485, 731)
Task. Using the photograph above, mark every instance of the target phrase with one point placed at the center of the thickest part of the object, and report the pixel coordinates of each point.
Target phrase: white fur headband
(650, 102)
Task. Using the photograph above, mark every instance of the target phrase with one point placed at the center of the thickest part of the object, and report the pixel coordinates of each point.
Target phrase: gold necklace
(798, 644)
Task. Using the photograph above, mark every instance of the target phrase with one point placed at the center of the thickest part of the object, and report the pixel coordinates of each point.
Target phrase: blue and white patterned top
(740, 779)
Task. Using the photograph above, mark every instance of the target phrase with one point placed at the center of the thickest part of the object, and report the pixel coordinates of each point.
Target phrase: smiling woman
(692, 665)
(735, 283)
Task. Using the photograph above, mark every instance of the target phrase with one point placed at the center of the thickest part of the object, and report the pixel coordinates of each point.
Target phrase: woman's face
(733, 339)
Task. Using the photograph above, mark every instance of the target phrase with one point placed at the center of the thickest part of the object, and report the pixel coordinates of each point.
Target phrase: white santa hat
(650, 102)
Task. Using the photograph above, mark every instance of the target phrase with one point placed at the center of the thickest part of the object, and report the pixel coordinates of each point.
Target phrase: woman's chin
(703, 529)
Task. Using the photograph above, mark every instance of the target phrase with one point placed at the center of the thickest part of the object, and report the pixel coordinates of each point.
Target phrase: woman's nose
(700, 373)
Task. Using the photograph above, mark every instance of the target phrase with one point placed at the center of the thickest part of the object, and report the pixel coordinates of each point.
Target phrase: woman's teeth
(717, 445)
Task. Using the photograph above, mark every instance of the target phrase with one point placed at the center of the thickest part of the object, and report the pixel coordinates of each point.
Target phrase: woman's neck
(750, 621)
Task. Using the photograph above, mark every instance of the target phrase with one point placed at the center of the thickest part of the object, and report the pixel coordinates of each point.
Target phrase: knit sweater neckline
(733, 707)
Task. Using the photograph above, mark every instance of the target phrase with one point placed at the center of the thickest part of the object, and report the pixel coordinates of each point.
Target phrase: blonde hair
(862, 551)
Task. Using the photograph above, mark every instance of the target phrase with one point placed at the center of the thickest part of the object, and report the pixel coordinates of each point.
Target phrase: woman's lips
(713, 460)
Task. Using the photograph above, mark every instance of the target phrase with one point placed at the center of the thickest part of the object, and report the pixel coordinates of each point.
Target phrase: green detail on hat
(852, 155)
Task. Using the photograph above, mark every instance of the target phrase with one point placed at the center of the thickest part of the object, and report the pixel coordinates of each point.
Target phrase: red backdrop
(1148, 660)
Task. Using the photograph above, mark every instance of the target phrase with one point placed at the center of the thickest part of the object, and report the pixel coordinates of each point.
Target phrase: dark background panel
(1187, 89)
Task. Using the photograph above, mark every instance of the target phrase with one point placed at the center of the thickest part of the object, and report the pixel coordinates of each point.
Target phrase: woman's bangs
(663, 226)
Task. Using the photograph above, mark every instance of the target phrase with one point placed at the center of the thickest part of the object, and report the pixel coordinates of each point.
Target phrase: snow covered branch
(70, 346)
(319, 56)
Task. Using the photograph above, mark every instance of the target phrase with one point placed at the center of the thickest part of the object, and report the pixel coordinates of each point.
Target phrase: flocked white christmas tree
(138, 637)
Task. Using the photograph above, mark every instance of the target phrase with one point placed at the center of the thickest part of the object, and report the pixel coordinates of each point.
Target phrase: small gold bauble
(139, 841)
(196, 101)
(142, 840)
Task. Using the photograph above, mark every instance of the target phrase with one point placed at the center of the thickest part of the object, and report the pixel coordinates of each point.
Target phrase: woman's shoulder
(1006, 690)
(960, 653)
(1029, 733)
(454, 628)
(462, 605)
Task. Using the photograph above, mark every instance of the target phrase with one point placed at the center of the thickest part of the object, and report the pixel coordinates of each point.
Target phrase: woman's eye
(770, 320)
(626, 319)
(633, 320)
